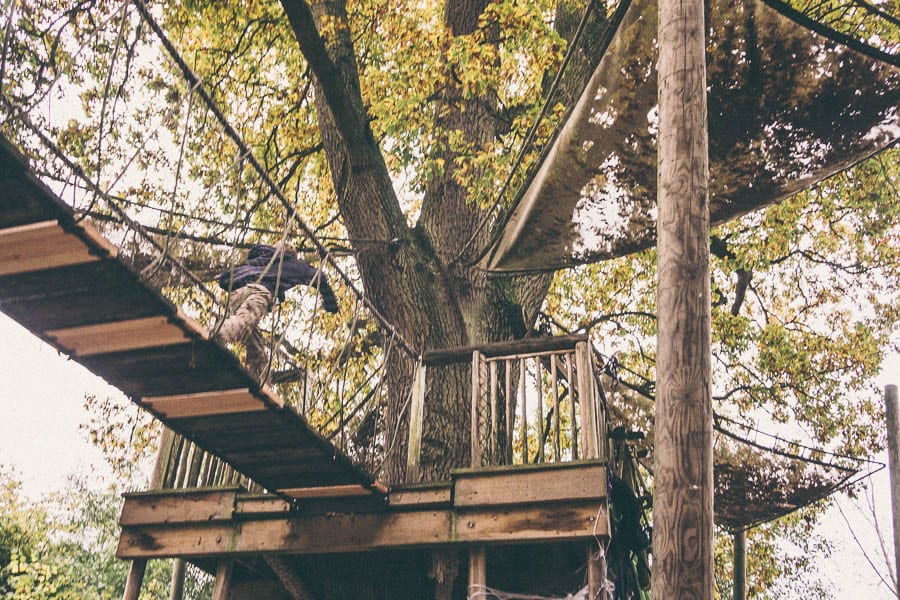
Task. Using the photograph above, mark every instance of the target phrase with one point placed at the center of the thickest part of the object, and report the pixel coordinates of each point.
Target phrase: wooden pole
(223, 580)
(683, 476)
(596, 572)
(416, 418)
(135, 578)
(176, 585)
(477, 573)
(740, 565)
(892, 416)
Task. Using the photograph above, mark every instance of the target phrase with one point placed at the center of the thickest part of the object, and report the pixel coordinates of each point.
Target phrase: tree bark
(683, 475)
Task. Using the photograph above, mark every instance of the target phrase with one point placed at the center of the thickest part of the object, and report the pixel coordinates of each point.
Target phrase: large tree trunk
(433, 301)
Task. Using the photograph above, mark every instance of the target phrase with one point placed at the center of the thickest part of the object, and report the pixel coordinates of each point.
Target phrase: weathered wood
(187, 506)
(523, 411)
(416, 423)
(334, 491)
(222, 586)
(683, 532)
(477, 572)
(554, 389)
(40, 246)
(176, 582)
(573, 424)
(475, 424)
(118, 336)
(535, 523)
(539, 421)
(205, 404)
(596, 571)
(590, 441)
(892, 423)
(562, 482)
(421, 497)
(163, 455)
(134, 579)
(740, 565)
(509, 425)
(448, 356)
(260, 506)
(495, 416)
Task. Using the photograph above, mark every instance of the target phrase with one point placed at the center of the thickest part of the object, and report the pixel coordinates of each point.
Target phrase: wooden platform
(63, 281)
(511, 505)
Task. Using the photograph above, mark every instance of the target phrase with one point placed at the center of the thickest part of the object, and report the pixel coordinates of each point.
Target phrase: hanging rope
(189, 76)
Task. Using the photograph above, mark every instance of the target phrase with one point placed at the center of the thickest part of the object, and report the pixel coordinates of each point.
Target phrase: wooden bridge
(65, 283)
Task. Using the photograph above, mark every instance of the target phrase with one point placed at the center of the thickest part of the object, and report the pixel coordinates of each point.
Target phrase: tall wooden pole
(740, 565)
(683, 479)
(892, 416)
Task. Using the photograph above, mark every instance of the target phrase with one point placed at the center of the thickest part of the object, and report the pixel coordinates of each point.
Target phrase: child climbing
(254, 286)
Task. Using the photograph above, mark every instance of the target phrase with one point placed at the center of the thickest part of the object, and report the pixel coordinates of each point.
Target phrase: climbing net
(125, 132)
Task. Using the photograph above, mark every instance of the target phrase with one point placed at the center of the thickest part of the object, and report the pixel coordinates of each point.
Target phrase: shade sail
(787, 107)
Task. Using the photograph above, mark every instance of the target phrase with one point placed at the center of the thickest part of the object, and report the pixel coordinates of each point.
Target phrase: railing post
(477, 363)
(593, 444)
(416, 418)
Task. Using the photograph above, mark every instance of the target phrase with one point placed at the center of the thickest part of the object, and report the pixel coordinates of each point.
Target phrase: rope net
(115, 123)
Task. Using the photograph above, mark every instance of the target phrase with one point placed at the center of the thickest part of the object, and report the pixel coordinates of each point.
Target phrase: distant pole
(740, 565)
(683, 534)
(893, 437)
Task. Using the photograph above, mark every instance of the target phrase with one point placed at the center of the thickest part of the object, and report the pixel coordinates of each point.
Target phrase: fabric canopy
(787, 107)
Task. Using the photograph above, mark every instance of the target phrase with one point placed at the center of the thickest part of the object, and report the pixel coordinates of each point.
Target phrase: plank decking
(63, 281)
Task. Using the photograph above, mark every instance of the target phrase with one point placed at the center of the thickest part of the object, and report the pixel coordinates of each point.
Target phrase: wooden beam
(187, 506)
(134, 579)
(40, 246)
(477, 573)
(566, 483)
(423, 497)
(223, 579)
(333, 491)
(119, 336)
(446, 356)
(221, 402)
(683, 534)
(533, 523)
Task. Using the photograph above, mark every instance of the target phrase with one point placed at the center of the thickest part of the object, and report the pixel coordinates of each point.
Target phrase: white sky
(41, 409)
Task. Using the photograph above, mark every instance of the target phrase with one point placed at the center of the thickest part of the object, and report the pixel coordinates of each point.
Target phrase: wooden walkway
(63, 281)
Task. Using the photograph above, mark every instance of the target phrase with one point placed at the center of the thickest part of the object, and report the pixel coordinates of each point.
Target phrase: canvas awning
(787, 107)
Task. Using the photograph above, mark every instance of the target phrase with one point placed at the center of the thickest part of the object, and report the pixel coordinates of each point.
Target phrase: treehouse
(277, 487)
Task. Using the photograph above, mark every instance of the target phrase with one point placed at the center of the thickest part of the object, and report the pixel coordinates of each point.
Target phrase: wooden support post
(495, 416)
(477, 574)
(176, 585)
(683, 497)
(596, 572)
(555, 395)
(523, 409)
(740, 565)
(477, 362)
(510, 413)
(540, 409)
(892, 416)
(590, 436)
(570, 359)
(416, 422)
(135, 578)
(223, 579)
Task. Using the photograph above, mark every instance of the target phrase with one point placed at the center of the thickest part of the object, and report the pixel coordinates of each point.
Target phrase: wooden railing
(532, 401)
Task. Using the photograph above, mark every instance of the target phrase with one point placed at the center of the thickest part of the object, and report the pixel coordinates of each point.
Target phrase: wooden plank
(185, 507)
(477, 573)
(40, 246)
(334, 491)
(261, 506)
(416, 425)
(446, 356)
(318, 534)
(532, 524)
(205, 404)
(529, 486)
(474, 425)
(587, 401)
(118, 336)
(422, 497)
(222, 587)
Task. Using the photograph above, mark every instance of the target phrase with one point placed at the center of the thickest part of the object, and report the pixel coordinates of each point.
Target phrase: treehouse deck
(67, 284)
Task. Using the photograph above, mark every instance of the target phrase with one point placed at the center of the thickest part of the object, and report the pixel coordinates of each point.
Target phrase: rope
(229, 130)
(528, 142)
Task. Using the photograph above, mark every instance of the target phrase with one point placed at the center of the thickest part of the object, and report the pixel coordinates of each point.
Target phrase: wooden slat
(205, 404)
(40, 246)
(563, 482)
(259, 506)
(334, 491)
(317, 534)
(179, 507)
(119, 336)
(533, 523)
(421, 497)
